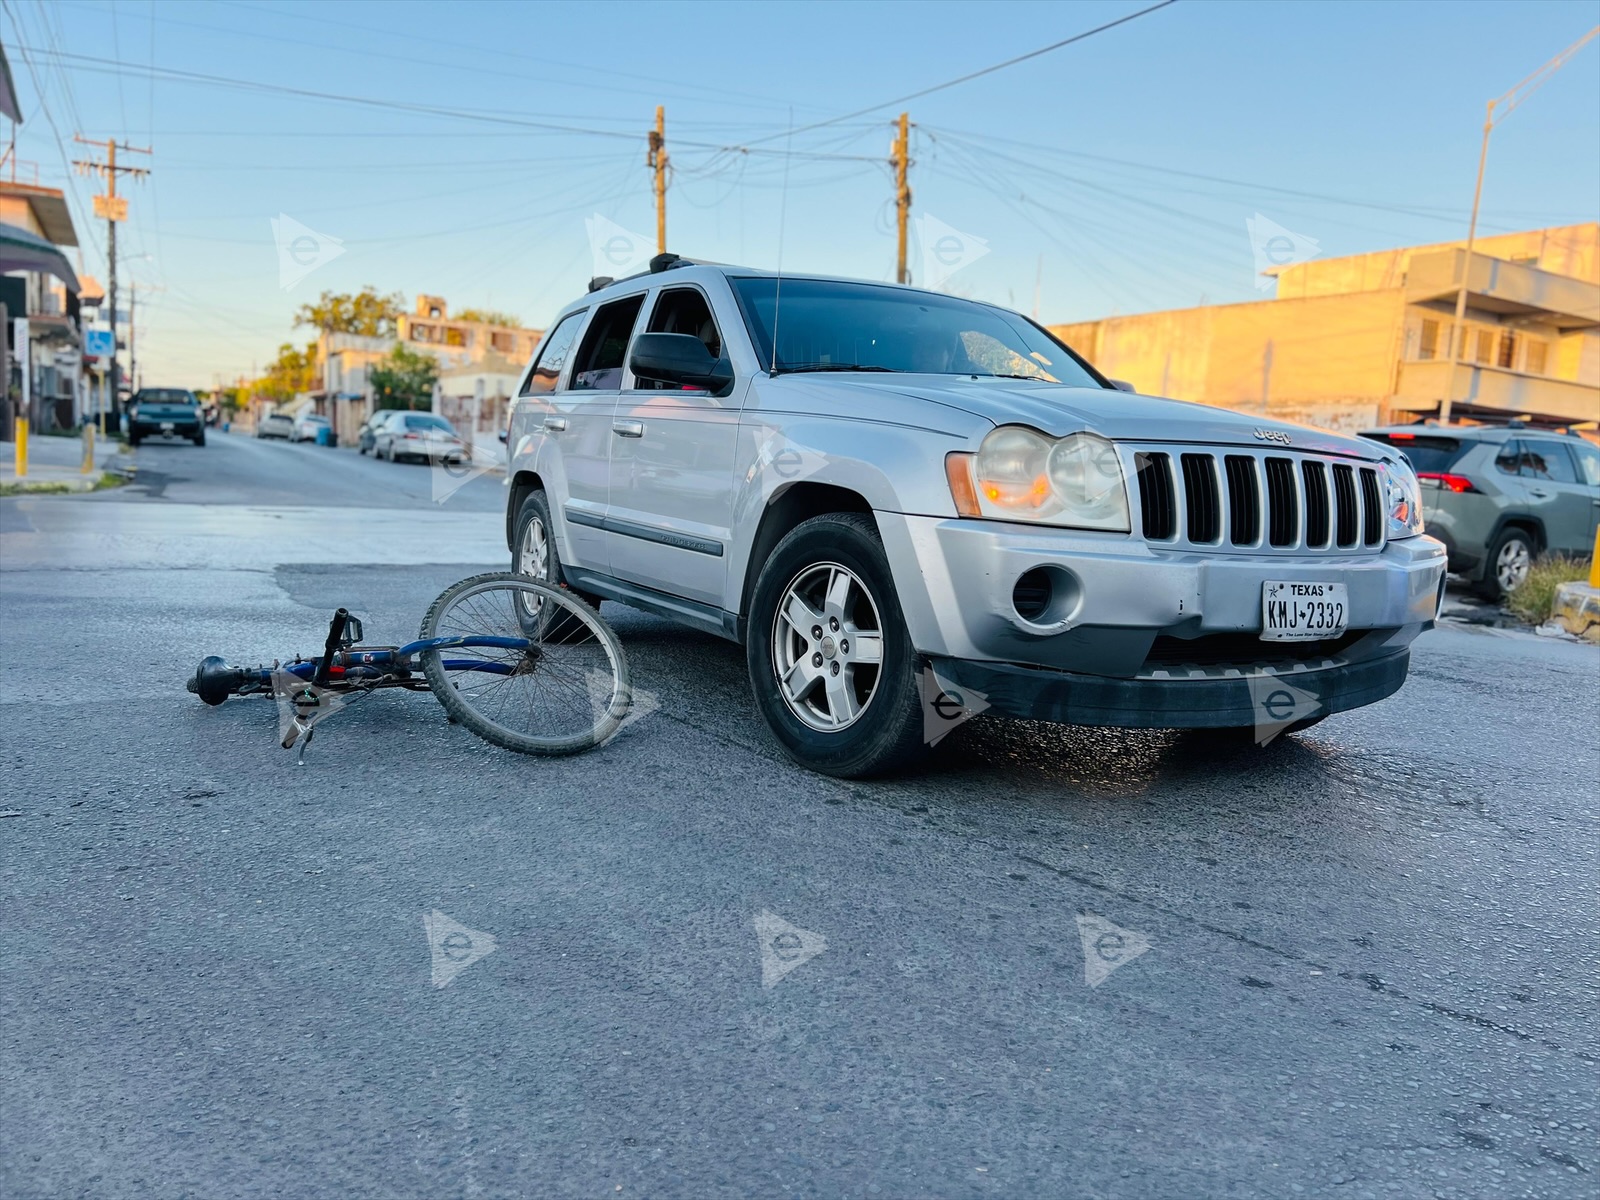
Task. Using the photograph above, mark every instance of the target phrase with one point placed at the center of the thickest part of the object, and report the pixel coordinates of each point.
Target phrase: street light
(1506, 104)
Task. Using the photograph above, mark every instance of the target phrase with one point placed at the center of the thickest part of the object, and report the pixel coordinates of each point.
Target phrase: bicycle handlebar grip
(335, 636)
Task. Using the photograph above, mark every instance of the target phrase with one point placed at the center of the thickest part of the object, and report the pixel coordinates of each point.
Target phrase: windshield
(164, 396)
(824, 324)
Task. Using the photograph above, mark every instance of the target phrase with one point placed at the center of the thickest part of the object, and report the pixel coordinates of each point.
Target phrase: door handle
(555, 424)
(1539, 493)
(628, 428)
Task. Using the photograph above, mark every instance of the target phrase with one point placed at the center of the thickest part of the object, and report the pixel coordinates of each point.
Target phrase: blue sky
(1120, 170)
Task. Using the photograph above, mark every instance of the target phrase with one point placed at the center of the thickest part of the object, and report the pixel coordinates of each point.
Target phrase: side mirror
(1122, 385)
(679, 358)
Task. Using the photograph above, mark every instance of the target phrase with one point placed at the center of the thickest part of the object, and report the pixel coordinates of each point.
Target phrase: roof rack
(661, 262)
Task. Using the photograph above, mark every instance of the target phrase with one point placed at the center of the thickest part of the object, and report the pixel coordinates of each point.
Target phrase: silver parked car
(425, 437)
(276, 425)
(908, 506)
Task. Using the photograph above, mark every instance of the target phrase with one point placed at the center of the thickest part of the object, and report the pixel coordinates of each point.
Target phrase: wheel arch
(1526, 522)
(523, 485)
(784, 512)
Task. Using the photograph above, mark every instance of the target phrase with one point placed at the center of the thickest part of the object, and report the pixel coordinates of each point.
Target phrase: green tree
(365, 313)
(489, 316)
(292, 372)
(404, 379)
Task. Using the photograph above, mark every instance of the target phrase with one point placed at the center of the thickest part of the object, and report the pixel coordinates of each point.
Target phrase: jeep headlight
(1019, 474)
(1403, 497)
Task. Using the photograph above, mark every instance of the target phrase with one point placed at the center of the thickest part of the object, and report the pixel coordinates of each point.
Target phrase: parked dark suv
(1499, 497)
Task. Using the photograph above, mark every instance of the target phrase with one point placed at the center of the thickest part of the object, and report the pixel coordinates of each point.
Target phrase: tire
(1519, 551)
(134, 439)
(199, 439)
(361, 450)
(575, 689)
(885, 734)
(388, 452)
(546, 567)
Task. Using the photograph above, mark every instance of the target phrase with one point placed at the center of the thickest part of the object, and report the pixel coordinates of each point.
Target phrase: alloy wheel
(827, 647)
(1512, 565)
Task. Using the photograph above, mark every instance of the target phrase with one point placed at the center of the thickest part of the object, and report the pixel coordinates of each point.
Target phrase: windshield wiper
(786, 369)
(1004, 375)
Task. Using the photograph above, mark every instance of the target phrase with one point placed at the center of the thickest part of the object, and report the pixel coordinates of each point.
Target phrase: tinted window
(1541, 459)
(684, 310)
(605, 346)
(164, 396)
(828, 325)
(1427, 455)
(1588, 462)
(553, 353)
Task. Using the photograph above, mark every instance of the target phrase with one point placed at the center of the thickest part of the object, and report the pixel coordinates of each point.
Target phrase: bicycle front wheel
(552, 678)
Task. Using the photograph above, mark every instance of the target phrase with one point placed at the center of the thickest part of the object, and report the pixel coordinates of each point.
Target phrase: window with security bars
(1536, 358)
(1428, 348)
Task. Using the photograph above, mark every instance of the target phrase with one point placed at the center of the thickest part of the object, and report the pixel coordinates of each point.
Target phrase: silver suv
(908, 507)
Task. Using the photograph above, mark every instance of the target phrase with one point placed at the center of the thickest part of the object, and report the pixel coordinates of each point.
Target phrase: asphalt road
(1373, 958)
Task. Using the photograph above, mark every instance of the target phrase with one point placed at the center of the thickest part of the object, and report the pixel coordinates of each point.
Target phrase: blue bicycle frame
(374, 664)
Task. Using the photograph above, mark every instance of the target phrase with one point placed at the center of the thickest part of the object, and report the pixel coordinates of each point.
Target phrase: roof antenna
(783, 211)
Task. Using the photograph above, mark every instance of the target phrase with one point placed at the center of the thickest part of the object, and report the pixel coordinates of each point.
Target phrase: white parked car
(307, 426)
(423, 436)
(901, 503)
(276, 425)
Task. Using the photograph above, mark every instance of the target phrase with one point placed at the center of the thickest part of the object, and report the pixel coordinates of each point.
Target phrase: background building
(1358, 341)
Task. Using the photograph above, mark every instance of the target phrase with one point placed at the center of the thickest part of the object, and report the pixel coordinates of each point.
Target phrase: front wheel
(830, 659)
(560, 686)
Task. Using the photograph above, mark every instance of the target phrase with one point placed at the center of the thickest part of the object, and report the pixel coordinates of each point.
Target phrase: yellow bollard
(88, 449)
(1594, 561)
(22, 446)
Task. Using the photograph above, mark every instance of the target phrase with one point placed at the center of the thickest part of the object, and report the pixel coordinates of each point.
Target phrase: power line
(967, 78)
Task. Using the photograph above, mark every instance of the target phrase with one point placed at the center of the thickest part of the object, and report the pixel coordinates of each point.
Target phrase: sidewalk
(54, 462)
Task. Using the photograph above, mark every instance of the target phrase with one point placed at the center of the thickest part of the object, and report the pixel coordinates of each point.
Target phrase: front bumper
(1264, 700)
(955, 579)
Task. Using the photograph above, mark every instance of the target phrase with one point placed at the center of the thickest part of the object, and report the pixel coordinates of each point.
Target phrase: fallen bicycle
(523, 665)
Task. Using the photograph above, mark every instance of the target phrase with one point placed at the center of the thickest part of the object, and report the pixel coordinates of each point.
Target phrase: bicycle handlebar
(335, 637)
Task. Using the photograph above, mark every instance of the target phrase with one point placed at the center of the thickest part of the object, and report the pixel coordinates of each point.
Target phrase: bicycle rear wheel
(565, 691)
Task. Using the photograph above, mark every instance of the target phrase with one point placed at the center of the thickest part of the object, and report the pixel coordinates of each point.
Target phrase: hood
(1120, 416)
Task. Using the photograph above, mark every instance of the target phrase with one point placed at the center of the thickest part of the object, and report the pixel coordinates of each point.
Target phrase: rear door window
(604, 350)
(1542, 459)
(553, 352)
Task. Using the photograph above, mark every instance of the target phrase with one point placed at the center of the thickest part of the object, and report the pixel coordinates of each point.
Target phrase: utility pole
(900, 157)
(113, 208)
(657, 161)
(1506, 103)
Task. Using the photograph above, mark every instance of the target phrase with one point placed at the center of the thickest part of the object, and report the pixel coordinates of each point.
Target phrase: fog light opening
(1046, 596)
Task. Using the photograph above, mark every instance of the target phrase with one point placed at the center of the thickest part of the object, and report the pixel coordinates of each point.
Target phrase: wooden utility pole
(113, 208)
(900, 157)
(657, 160)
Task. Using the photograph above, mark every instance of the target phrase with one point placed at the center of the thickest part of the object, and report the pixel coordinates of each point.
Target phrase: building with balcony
(39, 297)
(1367, 339)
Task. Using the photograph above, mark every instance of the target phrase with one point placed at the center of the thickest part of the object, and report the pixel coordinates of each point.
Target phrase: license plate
(1303, 612)
(166, 427)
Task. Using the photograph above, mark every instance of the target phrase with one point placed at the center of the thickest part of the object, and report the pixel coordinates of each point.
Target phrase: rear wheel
(535, 554)
(564, 690)
(1511, 557)
(830, 660)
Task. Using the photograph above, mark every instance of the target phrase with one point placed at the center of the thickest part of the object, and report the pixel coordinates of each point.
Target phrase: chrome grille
(1304, 503)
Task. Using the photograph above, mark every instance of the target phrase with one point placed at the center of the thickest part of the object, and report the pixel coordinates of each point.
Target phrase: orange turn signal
(958, 470)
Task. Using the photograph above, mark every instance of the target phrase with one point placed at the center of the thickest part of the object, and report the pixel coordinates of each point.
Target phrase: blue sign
(97, 343)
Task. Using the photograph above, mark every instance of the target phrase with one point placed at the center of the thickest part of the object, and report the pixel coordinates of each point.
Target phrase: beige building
(465, 350)
(1353, 342)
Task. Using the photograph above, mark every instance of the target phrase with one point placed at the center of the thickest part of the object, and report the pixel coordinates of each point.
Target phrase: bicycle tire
(599, 700)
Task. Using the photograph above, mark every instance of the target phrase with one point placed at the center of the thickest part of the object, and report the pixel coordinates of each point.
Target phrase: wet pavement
(1364, 961)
